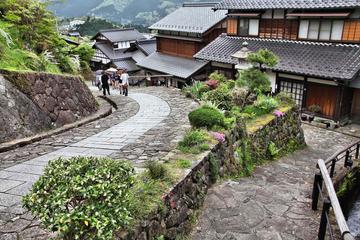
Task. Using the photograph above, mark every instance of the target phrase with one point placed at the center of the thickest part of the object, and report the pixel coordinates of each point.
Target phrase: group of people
(119, 80)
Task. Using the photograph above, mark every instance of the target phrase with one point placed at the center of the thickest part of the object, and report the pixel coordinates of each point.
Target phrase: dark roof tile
(325, 60)
(286, 4)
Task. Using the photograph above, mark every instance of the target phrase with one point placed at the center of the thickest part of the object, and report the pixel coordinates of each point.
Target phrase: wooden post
(332, 170)
(357, 151)
(323, 221)
(348, 162)
(316, 190)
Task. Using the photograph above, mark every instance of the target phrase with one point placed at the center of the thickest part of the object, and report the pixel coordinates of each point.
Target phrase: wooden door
(355, 111)
(324, 96)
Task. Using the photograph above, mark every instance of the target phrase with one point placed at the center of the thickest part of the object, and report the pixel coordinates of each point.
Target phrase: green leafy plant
(244, 160)
(156, 170)
(83, 197)
(196, 90)
(285, 98)
(218, 77)
(315, 108)
(220, 96)
(262, 105)
(206, 117)
(273, 150)
(194, 141)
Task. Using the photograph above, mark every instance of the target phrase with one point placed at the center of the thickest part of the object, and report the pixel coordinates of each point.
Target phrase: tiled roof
(111, 53)
(128, 64)
(286, 4)
(191, 18)
(322, 60)
(148, 46)
(177, 66)
(121, 35)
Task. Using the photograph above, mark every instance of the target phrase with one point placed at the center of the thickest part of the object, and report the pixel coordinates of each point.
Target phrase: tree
(253, 78)
(263, 57)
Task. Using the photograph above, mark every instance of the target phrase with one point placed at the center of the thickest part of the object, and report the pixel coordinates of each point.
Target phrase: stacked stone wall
(184, 199)
(64, 98)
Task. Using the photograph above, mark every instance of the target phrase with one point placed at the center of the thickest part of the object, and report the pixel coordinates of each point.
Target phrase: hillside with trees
(29, 40)
(139, 12)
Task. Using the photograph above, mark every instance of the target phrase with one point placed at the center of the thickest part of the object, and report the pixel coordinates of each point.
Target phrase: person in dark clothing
(105, 83)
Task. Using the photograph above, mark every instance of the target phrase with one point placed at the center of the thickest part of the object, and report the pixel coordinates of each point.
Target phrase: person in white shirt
(125, 82)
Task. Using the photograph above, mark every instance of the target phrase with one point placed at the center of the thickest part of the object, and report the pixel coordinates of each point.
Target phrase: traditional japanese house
(179, 36)
(317, 42)
(112, 49)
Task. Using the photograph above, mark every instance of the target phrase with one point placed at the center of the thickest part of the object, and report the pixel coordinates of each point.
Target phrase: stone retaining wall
(188, 195)
(63, 98)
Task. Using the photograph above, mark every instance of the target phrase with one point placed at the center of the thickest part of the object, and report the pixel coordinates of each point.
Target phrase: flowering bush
(212, 84)
(278, 113)
(219, 136)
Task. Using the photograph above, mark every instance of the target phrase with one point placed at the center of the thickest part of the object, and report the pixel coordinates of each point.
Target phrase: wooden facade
(289, 28)
(324, 96)
(178, 47)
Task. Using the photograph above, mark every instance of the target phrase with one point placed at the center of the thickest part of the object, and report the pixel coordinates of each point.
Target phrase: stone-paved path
(274, 204)
(160, 120)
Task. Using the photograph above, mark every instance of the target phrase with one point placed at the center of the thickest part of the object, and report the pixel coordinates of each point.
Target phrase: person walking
(105, 83)
(118, 80)
(125, 82)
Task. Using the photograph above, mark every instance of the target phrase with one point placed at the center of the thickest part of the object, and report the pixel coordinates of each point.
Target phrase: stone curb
(110, 101)
(4, 147)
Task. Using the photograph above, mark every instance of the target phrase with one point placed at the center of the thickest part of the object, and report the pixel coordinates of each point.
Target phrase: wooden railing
(329, 197)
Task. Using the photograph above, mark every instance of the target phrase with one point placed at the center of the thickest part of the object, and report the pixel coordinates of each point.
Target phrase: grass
(183, 163)
(195, 141)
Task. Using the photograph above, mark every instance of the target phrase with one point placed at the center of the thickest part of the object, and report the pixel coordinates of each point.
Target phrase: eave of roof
(286, 4)
(179, 67)
(191, 18)
(323, 60)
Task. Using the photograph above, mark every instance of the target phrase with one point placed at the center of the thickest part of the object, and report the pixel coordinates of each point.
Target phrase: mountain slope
(143, 12)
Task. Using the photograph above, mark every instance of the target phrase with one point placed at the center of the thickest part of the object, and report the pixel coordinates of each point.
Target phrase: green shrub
(315, 108)
(83, 198)
(206, 117)
(266, 103)
(218, 77)
(196, 90)
(221, 96)
(183, 163)
(214, 166)
(194, 142)
(156, 170)
(285, 98)
(263, 57)
(273, 150)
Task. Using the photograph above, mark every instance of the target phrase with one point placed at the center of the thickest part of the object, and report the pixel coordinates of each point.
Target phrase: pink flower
(172, 203)
(219, 136)
(278, 113)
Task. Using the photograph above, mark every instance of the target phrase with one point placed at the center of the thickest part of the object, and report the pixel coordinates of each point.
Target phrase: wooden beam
(340, 219)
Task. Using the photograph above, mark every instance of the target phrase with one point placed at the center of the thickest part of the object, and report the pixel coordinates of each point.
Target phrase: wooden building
(121, 48)
(179, 36)
(317, 42)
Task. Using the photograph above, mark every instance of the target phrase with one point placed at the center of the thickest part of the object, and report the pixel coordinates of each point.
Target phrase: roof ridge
(116, 30)
(199, 4)
(292, 41)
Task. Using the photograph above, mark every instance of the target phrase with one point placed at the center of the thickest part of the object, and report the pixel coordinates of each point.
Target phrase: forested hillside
(29, 40)
(143, 12)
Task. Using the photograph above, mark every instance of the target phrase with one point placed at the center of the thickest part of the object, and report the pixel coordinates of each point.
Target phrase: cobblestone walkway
(275, 203)
(146, 126)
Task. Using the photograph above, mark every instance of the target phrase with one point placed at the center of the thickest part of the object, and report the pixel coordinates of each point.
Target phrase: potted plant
(304, 117)
(314, 109)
